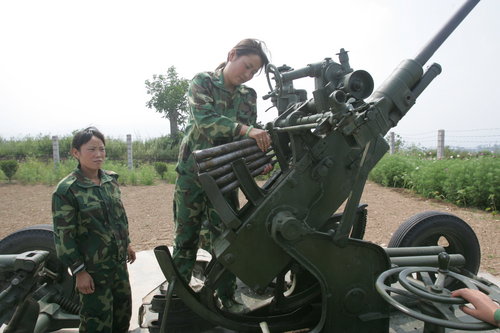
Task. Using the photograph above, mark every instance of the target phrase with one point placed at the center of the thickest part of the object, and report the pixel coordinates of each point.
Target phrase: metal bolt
(229, 258)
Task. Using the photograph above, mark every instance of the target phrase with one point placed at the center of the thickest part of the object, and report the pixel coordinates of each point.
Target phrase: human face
(240, 69)
(91, 155)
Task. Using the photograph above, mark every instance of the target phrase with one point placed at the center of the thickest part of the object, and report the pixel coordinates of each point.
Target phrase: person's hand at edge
(130, 255)
(484, 307)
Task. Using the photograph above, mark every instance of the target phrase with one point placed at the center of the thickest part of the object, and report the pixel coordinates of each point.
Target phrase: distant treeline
(164, 148)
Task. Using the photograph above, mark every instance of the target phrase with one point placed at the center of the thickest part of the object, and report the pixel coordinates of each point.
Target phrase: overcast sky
(69, 64)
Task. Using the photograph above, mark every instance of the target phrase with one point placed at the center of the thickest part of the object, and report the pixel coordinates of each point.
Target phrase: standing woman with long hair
(221, 110)
(92, 238)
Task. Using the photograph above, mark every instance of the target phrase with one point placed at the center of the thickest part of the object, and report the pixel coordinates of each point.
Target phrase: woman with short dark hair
(92, 238)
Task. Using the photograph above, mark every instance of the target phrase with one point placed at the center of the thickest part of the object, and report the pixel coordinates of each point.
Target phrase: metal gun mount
(324, 147)
(35, 290)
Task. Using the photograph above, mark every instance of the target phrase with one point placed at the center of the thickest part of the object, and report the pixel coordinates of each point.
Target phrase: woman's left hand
(268, 168)
(130, 255)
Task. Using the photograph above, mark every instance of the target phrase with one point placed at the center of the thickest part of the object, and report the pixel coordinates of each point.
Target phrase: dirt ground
(151, 224)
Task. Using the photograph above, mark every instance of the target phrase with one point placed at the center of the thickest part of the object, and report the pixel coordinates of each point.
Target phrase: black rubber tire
(359, 227)
(426, 228)
(40, 237)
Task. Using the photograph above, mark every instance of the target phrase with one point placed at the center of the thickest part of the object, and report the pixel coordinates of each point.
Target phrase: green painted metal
(26, 304)
(25, 268)
(325, 147)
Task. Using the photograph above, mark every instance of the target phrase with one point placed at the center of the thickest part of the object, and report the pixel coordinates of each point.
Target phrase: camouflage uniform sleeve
(64, 213)
(252, 100)
(202, 108)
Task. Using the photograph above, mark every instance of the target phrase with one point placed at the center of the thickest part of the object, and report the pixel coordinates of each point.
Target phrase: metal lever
(444, 263)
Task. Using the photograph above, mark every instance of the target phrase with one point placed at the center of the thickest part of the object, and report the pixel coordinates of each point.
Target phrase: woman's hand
(130, 255)
(262, 138)
(84, 282)
(484, 307)
(267, 169)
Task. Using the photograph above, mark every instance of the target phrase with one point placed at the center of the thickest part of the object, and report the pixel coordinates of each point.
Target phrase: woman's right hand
(262, 138)
(84, 282)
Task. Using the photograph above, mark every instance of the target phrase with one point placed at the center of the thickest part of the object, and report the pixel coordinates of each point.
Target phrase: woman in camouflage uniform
(221, 110)
(91, 237)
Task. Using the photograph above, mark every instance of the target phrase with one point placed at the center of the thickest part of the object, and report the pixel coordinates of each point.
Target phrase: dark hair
(84, 136)
(249, 46)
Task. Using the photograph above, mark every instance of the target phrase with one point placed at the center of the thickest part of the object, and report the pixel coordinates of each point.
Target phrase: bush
(165, 148)
(161, 168)
(468, 182)
(9, 168)
(393, 170)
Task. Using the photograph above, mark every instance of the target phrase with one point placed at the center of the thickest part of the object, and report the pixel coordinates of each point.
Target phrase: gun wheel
(437, 228)
(418, 299)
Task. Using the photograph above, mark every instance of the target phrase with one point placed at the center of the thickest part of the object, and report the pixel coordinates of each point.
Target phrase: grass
(33, 171)
(469, 182)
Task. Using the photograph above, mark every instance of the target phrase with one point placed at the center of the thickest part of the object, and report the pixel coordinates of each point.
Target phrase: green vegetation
(169, 97)
(165, 148)
(34, 155)
(9, 168)
(161, 168)
(464, 180)
(32, 171)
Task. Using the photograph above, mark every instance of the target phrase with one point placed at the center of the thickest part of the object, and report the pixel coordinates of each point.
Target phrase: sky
(66, 65)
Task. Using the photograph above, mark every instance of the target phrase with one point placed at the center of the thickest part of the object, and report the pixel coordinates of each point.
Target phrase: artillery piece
(301, 258)
(324, 148)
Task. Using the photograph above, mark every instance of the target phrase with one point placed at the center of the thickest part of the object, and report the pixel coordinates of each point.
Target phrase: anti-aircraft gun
(289, 240)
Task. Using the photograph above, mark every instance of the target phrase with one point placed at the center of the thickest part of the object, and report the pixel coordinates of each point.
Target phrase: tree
(9, 168)
(161, 168)
(169, 96)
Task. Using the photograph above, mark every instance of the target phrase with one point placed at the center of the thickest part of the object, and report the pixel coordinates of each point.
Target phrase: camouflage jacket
(90, 224)
(215, 115)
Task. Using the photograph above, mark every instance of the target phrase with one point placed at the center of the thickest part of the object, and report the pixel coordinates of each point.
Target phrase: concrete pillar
(55, 150)
(440, 145)
(129, 152)
(392, 143)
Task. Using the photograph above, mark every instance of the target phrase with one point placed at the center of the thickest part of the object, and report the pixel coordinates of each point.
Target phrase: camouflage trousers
(109, 308)
(192, 212)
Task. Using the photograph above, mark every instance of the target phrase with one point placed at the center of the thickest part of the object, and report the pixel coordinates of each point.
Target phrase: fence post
(129, 152)
(392, 144)
(55, 150)
(440, 144)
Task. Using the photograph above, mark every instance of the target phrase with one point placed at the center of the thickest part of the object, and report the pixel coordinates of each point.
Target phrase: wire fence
(469, 139)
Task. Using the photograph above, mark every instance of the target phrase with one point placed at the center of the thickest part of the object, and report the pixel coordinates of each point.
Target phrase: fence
(472, 140)
(481, 138)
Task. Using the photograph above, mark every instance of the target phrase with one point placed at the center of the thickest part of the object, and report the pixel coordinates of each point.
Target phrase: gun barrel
(226, 158)
(200, 155)
(312, 70)
(229, 177)
(228, 168)
(233, 185)
(431, 47)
